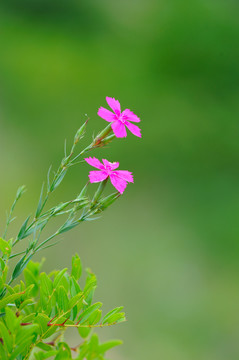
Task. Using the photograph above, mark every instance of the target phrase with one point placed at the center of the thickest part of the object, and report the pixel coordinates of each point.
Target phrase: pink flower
(119, 119)
(118, 178)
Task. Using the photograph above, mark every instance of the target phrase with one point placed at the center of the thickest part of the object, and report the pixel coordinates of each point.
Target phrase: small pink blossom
(120, 120)
(118, 178)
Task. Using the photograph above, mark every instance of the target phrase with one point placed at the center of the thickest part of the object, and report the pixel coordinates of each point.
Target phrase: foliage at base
(36, 313)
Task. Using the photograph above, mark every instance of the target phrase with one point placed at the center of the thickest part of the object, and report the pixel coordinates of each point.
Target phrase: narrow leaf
(110, 313)
(76, 267)
(86, 314)
(22, 263)
(23, 229)
(9, 299)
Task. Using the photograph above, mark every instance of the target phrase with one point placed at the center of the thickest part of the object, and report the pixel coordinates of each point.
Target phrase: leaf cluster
(36, 313)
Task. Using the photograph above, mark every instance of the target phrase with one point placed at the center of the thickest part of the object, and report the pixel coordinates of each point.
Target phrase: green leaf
(46, 284)
(110, 313)
(76, 267)
(48, 179)
(43, 355)
(86, 314)
(22, 231)
(1, 285)
(10, 289)
(3, 355)
(64, 353)
(56, 182)
(62, 299)
(3, 271)
(83, 192)
(5, 247)
(108, 345)
(39, 206)
(26, 332)
(42, 320)
(34, 267)
(45, 331)
(2, 264)
(28, 318)
(9, 299)
(90, 286)
(44, 346)
(38, 225)
(94, 344)
(20, 191)
(58, 278)
(63, 281)
(21, 348)
(83, 349)
(68, 225)
(84, 332)
(77, 299)
(22, 263)
(6, 337)
(74, 287)
(95, 317)
(31, 279)
(26, 303)
(11, 320)
(74, 312)
(115, 318)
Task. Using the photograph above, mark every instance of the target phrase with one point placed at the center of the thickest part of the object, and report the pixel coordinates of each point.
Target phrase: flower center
(108, 169)
(122, 119)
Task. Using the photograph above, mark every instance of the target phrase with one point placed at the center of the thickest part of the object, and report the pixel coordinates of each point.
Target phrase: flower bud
(98, 141)
(20, 192)
(108, 139)
(80, 132)
(107, 201)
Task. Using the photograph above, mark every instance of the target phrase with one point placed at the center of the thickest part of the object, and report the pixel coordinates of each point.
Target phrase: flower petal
(94, 162)
(113, 104)
(111, 165)
(106, 114)
(119, 129)
(118, 183)
(125, 175)
(129, 115)
(133, 128)
(97, 176)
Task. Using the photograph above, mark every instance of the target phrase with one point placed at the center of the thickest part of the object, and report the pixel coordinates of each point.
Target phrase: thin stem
(46, 241)
(14, 255)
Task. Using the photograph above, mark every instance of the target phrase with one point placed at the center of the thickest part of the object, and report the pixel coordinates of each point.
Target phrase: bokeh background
(169, 248)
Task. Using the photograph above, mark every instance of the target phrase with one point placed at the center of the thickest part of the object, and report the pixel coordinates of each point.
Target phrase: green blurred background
(169, 248)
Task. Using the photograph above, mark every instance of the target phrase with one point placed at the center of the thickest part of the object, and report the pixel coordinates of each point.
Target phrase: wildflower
(118, 178)
(120, 120)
